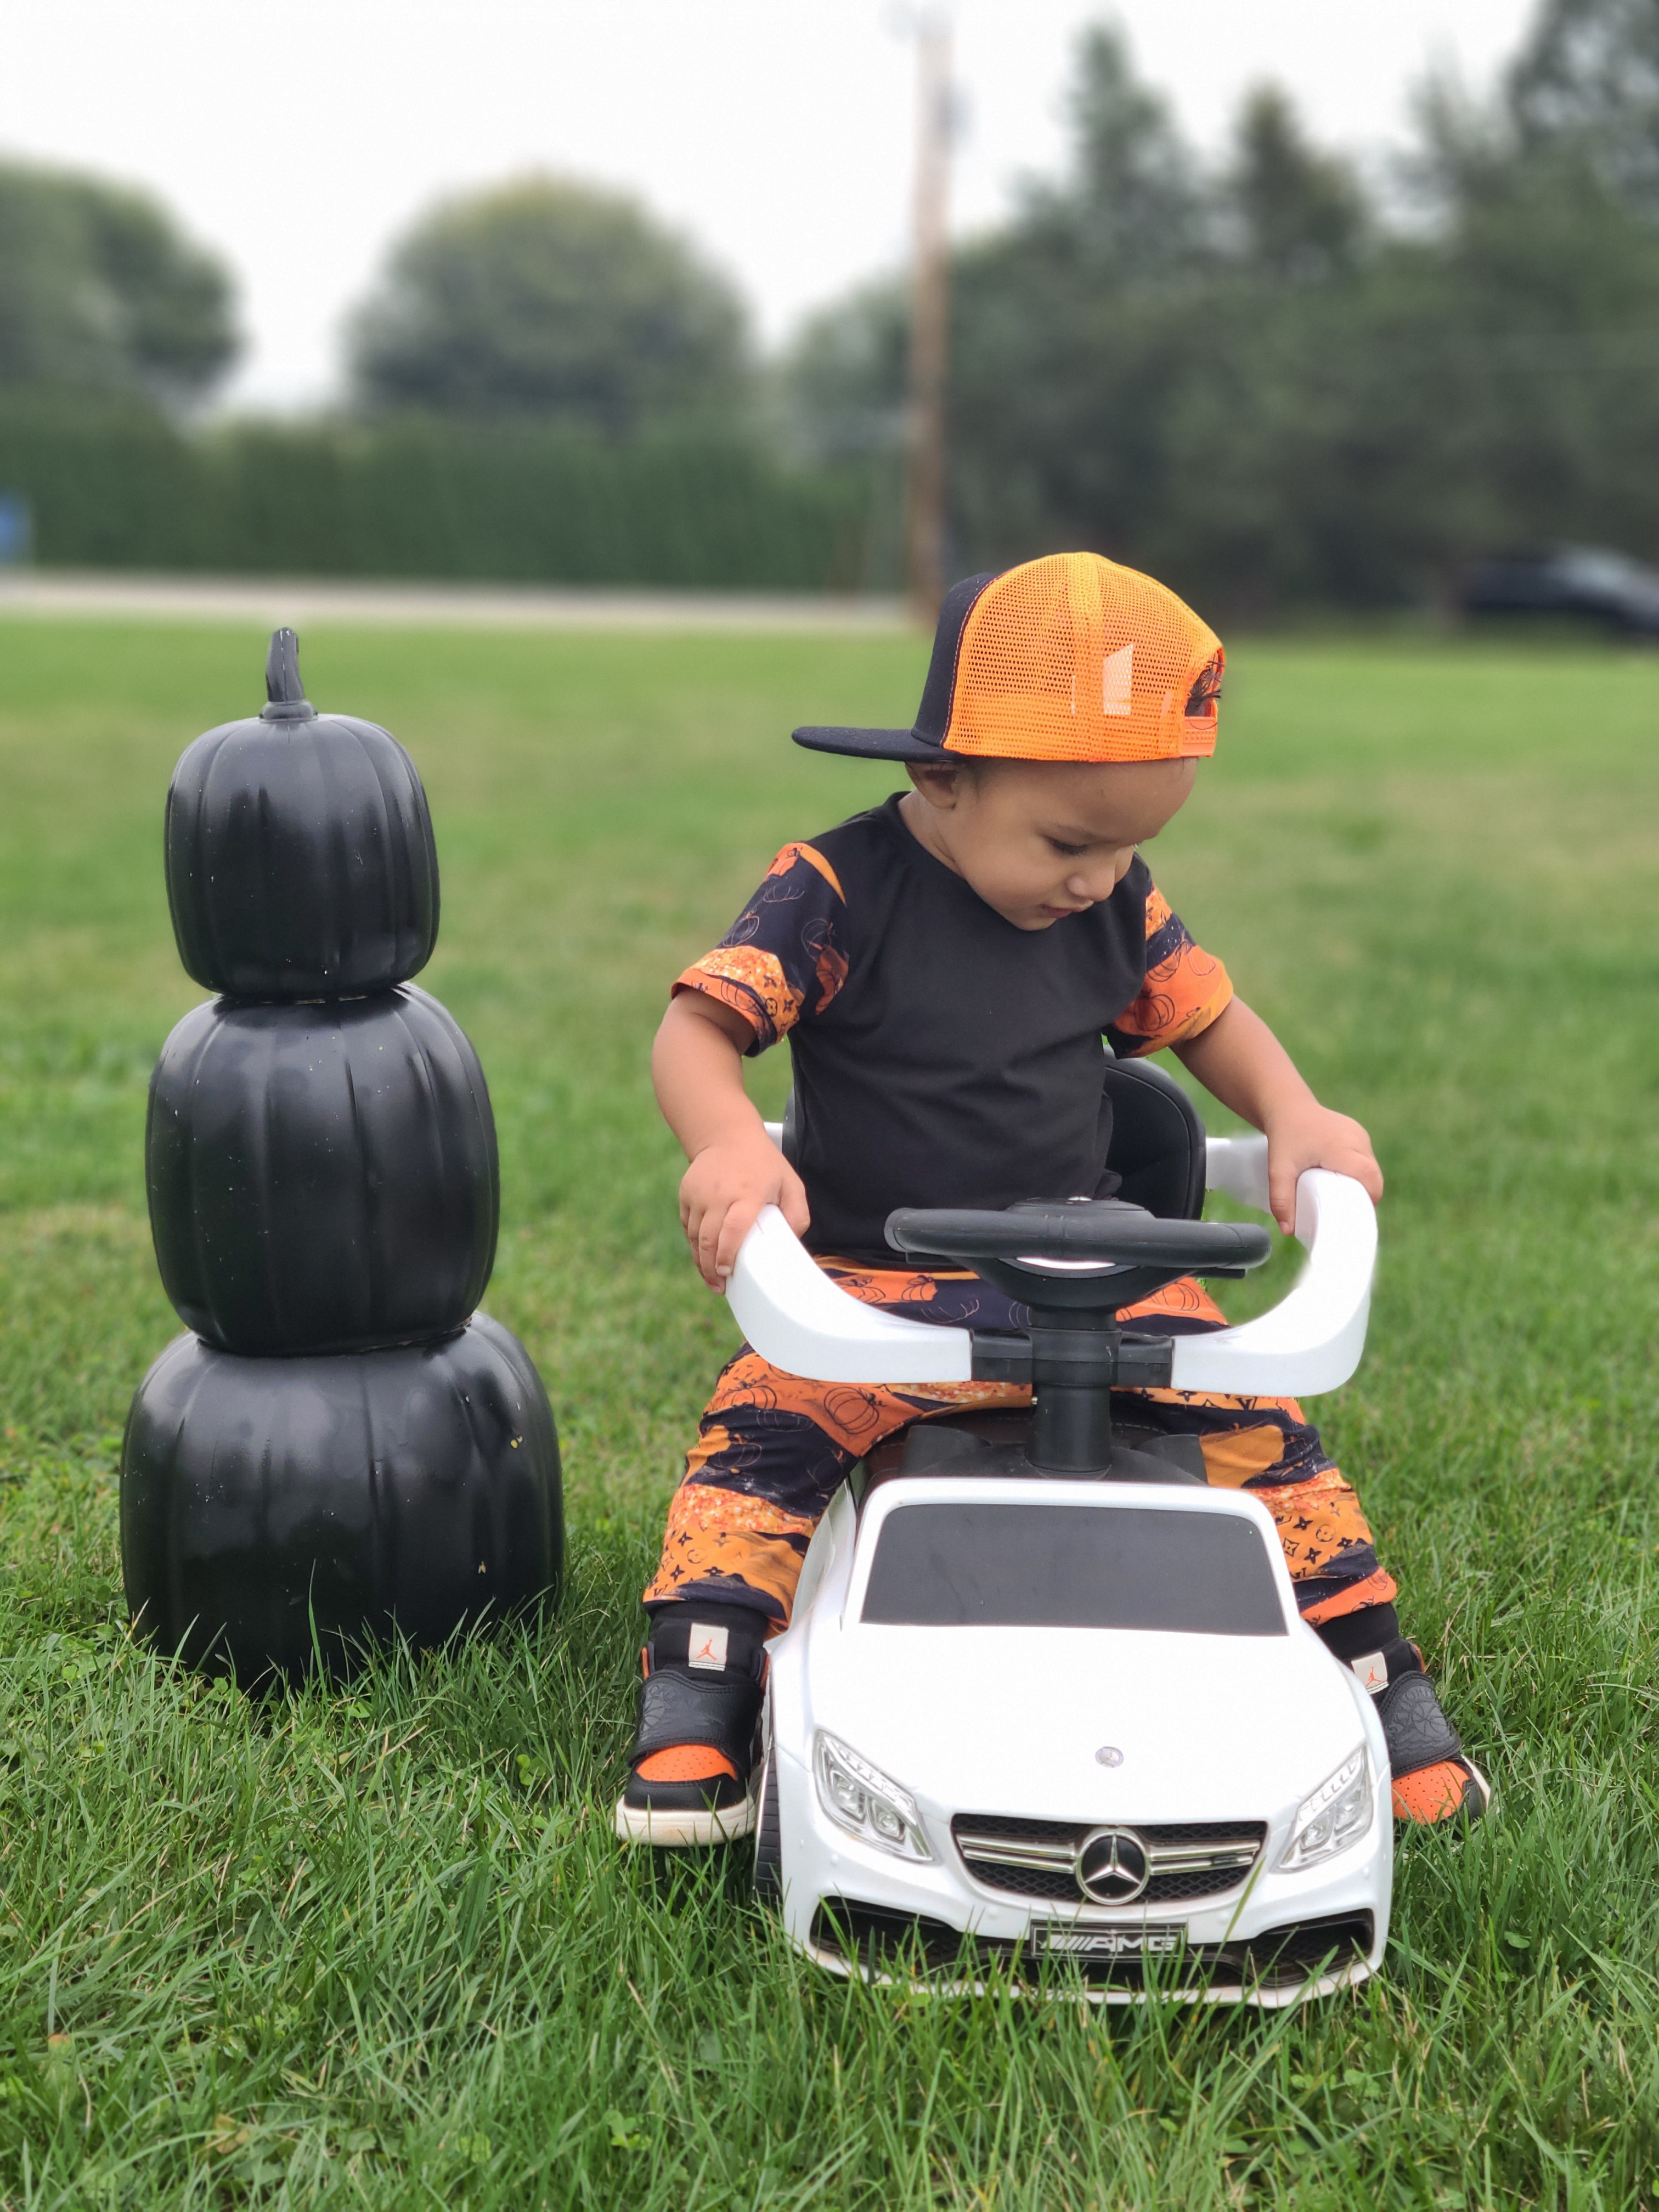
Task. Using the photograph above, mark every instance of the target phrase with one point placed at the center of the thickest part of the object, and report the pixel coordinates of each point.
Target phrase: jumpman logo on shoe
(707, 1647)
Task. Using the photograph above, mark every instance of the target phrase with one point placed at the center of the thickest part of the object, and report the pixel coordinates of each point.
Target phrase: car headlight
(859, 1798)
(1338, 1814)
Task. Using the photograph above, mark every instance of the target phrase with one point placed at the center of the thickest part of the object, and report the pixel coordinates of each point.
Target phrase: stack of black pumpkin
(343, 1447)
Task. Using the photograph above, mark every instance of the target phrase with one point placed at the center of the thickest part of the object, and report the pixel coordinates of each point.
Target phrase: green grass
(377, 1948)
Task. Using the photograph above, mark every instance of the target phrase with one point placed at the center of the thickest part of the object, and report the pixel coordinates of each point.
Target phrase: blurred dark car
(1569, 579)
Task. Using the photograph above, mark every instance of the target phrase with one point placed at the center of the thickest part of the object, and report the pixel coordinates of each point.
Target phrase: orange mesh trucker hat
(1070, 658)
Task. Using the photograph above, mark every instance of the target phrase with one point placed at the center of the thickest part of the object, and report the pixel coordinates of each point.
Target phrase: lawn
(377, 1947)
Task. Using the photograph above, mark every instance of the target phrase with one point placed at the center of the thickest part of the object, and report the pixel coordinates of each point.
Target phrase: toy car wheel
(768, 1875)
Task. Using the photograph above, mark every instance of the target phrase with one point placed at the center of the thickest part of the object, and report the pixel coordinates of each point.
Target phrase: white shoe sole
(677, 1829)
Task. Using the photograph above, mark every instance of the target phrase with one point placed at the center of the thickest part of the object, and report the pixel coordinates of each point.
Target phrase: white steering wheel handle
(1312, 1342)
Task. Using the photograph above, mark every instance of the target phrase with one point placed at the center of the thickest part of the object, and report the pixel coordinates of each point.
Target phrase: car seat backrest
(1157, 1141)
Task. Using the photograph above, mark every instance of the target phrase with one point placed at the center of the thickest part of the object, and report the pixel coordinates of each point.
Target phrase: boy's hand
(1240, 1060)
(697, 1064)
(722, 1192)
(1305, 1134)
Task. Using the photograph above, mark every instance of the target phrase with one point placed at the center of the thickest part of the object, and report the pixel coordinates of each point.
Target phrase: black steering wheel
(1092, 1253)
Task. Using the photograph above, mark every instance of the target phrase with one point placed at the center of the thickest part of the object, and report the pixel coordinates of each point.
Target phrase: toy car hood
(1183, 1712)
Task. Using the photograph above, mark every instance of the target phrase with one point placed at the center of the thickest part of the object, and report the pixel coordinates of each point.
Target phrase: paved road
(269, 600)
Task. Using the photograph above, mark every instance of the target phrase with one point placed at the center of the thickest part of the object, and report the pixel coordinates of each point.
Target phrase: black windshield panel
(1072, 1566)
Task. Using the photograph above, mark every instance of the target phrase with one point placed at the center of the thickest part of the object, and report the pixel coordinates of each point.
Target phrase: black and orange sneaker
(1433, 1781)
(692, 1759)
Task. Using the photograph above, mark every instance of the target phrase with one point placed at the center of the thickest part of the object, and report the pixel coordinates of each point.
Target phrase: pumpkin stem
(284, 692)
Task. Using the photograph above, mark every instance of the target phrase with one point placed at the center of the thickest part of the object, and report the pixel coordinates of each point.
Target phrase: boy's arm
(696, 1066)
(1241, 1062)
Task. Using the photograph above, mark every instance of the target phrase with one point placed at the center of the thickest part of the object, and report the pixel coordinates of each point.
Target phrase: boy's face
(1039, 840)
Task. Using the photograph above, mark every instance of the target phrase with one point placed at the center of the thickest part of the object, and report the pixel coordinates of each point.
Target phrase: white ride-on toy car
(1044, 1691)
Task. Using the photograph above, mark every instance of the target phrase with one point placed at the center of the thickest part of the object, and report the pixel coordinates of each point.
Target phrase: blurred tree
(1251, 383)
(548, 298)
(99, 291)
(1134, 202)
(839, 386)
(1587, 82)
(1067, 327)
(1528, 341)
(1298, 215)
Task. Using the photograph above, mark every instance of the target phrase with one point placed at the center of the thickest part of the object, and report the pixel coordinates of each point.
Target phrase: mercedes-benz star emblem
(1108, 1755)
(1112, 1866)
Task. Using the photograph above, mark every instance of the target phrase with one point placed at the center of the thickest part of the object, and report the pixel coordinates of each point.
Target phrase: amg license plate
(1145, 1943)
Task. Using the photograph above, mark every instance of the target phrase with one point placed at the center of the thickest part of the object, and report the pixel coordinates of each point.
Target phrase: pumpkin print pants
(773, 1449)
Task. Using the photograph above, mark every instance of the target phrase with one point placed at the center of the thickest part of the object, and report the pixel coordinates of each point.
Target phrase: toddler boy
(944, 968)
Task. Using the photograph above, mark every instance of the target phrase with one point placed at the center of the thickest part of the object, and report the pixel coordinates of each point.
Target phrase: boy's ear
(939, 786)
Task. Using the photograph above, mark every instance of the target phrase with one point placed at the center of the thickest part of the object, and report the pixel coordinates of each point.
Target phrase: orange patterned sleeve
(781, 962)
(1184, 991)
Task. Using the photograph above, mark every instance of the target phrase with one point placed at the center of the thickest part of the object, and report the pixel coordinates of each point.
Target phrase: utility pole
(924, 429)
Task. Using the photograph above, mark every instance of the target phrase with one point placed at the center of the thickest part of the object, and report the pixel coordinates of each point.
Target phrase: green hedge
(123, 487)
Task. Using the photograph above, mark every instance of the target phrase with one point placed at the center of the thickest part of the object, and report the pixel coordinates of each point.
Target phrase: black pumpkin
(322, 1178)
(277, 1512)
(300, 857)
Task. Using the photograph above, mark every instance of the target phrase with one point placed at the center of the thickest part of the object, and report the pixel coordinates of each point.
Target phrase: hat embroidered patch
(1117, 678)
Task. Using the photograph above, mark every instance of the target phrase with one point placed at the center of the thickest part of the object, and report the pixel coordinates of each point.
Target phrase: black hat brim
(872, 744)
(924, 739)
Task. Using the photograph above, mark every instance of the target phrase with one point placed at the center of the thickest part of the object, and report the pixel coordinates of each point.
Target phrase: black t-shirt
(943, 1057)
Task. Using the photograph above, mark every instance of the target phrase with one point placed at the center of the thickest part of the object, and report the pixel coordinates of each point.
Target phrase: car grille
(1038, 1858)
(917, 1948)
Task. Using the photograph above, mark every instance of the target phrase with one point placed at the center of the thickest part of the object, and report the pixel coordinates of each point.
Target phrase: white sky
(299, 138)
